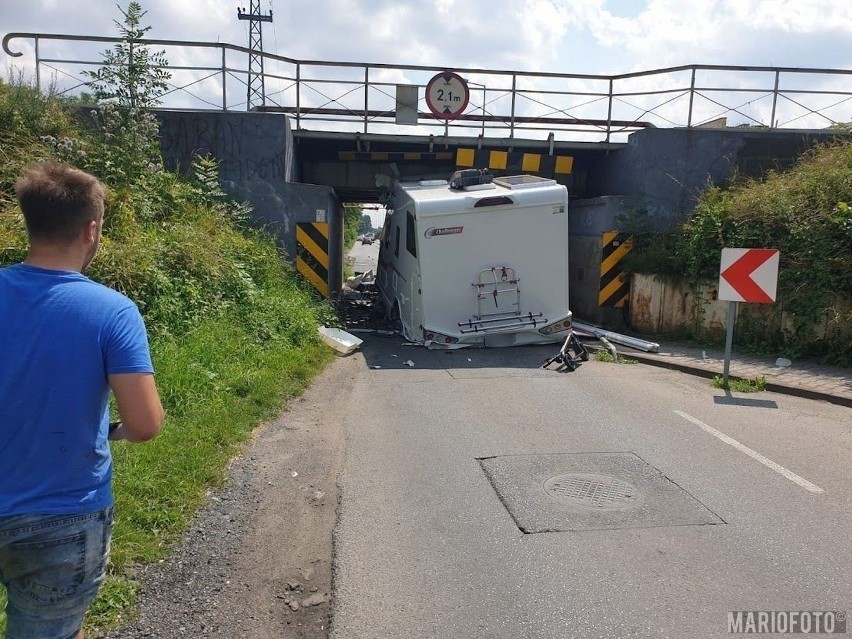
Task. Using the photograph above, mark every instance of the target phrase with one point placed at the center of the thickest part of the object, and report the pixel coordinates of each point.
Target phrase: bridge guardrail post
(298, 95)
(483, 109)
(512, 121)
(774, 99)
(37, 65)
(609, 111)
(224, 76)
(366, 97)
(691, 98)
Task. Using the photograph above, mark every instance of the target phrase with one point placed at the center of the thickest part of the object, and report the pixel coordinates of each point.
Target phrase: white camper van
(482, 264)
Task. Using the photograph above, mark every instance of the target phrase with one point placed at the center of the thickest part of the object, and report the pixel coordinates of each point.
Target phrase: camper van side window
(410, 237)
(396, 246)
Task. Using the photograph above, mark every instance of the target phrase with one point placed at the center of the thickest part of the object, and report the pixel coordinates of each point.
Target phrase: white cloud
(741, 32)
(444, 6)
(543, 26)
(526, 35)
(794, 16)
(560, 36)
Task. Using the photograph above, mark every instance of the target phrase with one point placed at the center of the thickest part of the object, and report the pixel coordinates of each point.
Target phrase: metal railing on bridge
(361, 97)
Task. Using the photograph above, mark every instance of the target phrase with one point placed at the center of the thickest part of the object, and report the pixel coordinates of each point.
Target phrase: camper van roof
(435, 197)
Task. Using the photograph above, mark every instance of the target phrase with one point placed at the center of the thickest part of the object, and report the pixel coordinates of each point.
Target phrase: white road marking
(793, 477)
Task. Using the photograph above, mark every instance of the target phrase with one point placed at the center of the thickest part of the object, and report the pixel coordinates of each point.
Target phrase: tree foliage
(351, 219)
(131, 74)
(127, 85)
(365, 224)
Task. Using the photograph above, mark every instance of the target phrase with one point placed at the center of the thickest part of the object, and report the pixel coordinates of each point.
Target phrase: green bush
(233, 329)
(351, 221)
(805, 213)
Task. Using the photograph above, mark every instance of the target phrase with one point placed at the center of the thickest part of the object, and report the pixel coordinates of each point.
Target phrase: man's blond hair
(58, 201)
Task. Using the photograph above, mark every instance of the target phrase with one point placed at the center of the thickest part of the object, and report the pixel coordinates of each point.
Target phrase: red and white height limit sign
(447, 95)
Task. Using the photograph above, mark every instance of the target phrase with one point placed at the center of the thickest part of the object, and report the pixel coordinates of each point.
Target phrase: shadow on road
(730, 400)
(393, 352)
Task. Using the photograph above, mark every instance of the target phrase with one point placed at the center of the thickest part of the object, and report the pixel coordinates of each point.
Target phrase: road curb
(774, 387)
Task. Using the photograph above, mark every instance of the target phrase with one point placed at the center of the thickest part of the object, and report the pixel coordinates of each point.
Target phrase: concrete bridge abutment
(658, 176)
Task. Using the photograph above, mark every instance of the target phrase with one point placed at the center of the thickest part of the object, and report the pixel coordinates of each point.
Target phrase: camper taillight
(438, 338)
(556, 327)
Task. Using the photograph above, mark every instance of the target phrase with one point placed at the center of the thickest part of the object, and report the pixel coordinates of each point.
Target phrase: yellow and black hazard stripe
(312, 254)
(615, 281)
(514, 163)
(393, 156)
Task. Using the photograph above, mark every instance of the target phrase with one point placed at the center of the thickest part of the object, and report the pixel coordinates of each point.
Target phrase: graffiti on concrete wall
(248, 146)
(255, 158)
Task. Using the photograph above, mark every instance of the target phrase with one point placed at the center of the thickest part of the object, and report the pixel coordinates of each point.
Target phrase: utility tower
(256, 95)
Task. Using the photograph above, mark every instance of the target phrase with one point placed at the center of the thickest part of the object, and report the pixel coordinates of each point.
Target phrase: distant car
(366, 240)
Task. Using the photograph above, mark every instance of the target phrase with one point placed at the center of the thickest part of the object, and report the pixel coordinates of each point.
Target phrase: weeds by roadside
(221, 383)
(606, 356)
(740, 384)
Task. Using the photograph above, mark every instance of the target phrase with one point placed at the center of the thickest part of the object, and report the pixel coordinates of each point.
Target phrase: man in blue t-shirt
(65, 343)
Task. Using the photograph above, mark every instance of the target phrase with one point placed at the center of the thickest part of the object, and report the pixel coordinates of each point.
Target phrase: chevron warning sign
(615, 282)
(749, 275)
(312, 254)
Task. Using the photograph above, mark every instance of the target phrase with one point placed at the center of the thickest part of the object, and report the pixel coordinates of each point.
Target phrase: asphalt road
(365, 257)
(454, 465)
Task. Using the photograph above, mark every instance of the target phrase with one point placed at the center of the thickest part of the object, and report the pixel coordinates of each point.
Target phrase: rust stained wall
(668, 306)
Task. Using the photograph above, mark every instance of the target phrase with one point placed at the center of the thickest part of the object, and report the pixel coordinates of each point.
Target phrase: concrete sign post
(745, 275)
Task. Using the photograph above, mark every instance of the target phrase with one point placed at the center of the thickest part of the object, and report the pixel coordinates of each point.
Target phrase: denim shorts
(52, 567)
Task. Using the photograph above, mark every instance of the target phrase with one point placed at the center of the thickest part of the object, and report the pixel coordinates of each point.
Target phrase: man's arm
(139, 406)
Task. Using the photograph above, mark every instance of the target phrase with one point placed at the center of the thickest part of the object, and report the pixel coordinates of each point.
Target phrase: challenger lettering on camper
(447, 230)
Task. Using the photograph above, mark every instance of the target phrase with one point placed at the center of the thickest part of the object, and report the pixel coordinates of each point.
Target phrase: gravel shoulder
(256, 561)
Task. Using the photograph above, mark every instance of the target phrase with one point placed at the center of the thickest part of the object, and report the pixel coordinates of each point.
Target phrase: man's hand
(139, 405)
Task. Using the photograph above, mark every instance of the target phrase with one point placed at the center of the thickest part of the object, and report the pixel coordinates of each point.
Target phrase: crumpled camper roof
(434, 197)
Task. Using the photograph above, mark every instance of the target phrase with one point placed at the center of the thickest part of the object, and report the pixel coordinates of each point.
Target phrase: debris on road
(341, 341)
(564, 358)
(618, 338)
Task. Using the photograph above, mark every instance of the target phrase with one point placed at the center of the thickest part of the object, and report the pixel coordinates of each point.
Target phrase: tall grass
(232, 328)
(218, 384)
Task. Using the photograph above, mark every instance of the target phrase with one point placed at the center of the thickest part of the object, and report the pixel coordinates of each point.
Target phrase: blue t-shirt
(61, 334)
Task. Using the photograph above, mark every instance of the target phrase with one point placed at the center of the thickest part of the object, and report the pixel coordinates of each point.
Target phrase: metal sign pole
(729, 340)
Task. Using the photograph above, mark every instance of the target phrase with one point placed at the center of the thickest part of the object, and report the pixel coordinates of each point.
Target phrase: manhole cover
(593, 492)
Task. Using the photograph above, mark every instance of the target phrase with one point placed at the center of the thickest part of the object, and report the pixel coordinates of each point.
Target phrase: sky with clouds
(592, 37)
